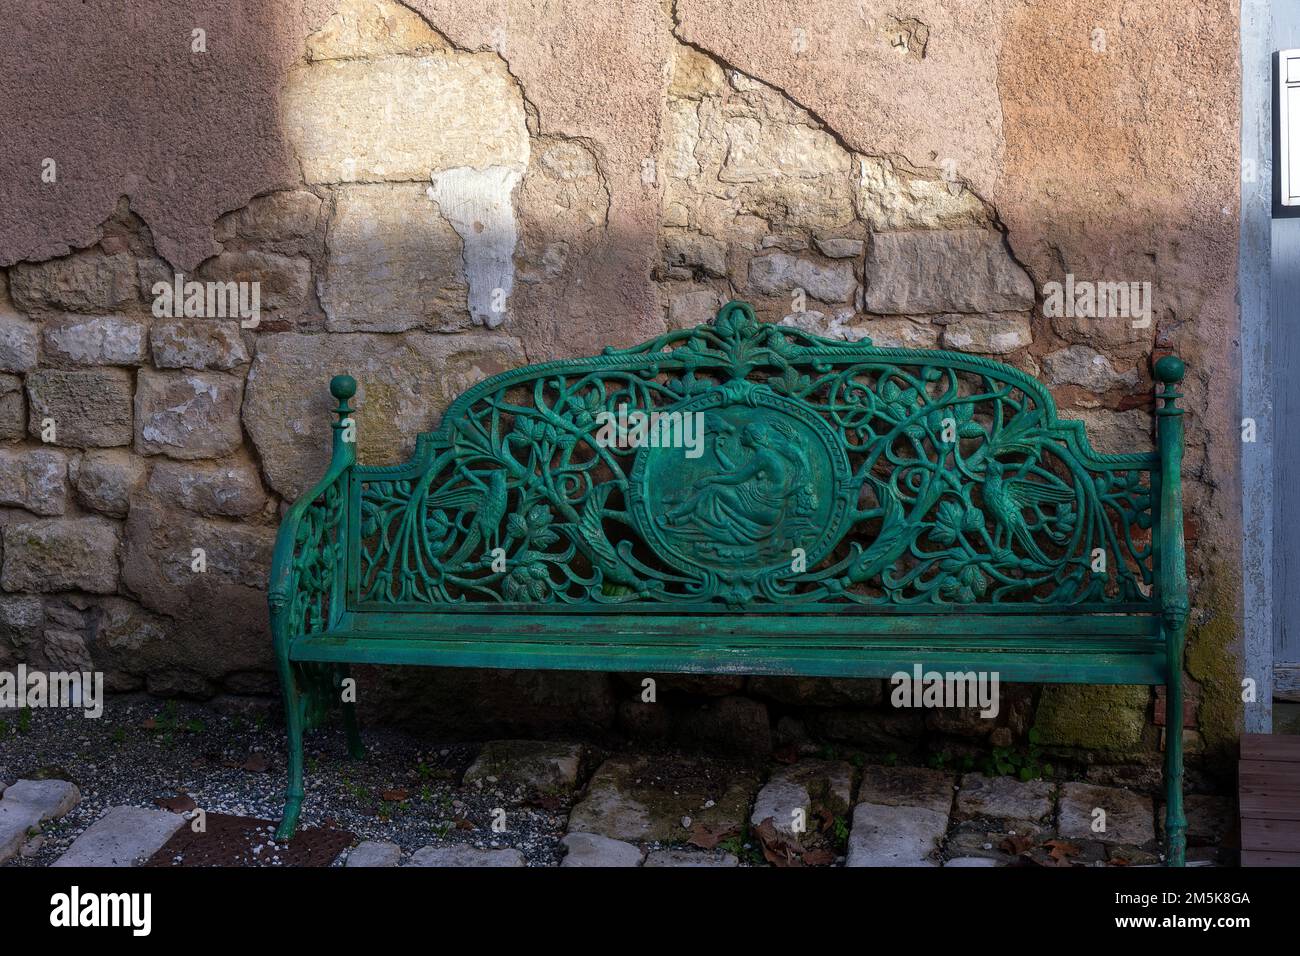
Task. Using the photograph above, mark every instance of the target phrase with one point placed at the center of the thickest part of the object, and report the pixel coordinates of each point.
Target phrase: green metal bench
(849, 512)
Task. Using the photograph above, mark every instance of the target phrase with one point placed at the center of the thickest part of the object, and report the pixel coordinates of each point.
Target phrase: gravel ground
(143, 749)
(407, 790)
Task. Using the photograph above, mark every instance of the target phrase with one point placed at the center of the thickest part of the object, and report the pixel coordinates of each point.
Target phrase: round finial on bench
(1170, 369)
(343, 387)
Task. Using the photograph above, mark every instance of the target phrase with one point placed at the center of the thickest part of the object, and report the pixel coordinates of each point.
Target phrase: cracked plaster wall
(448, 188)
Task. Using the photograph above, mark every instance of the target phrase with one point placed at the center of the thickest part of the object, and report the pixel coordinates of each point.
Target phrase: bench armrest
(308, 568)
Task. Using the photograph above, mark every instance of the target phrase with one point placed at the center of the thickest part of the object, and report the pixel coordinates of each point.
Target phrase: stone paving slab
(122, 837)
(374, 853)
(972, 861)
(538, 765)
(895, 836)
(639, 799)
(28, 803)
(52, 798)
(592, 849)
(907, 787)
(690, 858)
(973, 838)
(465, 856)
(15, 827)
(1130, 817)
(1005, 799)
(800, 786)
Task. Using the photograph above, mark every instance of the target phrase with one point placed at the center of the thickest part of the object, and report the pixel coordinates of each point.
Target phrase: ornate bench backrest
(779, 471)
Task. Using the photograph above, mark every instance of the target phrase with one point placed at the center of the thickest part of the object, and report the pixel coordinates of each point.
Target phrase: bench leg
(1175, 820)
(295, 719)
(356, 750)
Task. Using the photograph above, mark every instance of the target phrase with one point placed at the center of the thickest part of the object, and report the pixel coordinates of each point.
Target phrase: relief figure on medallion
(752, 508)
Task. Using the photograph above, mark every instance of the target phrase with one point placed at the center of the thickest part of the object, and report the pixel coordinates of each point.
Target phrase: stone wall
(433, 192)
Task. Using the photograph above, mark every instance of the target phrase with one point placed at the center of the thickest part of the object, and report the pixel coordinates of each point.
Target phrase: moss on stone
(1211, 659)
(1109, 717)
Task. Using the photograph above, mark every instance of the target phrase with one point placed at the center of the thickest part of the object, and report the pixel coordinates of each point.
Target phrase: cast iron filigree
(830, 473)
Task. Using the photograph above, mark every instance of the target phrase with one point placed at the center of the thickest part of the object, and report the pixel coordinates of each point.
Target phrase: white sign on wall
(1288, 122)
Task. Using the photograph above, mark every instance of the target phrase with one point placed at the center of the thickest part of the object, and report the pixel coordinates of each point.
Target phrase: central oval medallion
(761, 476)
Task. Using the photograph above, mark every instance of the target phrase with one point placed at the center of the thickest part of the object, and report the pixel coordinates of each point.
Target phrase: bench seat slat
(1142, 664)
(1033, 630)
(1023, 644)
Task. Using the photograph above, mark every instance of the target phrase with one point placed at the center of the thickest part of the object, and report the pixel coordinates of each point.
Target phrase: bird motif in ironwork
(1007, 497)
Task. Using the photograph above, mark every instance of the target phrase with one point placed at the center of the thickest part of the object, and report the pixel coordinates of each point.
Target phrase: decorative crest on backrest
(747, 464)
(738, 341)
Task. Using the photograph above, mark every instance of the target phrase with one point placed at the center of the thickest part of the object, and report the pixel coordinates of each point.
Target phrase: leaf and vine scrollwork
(896, 477)
(312, 593)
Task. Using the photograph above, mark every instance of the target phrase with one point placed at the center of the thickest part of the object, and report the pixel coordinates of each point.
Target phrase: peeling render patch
(393, 263)
(479, 205)
(748, 172)
(397, 118)
(382, 106)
